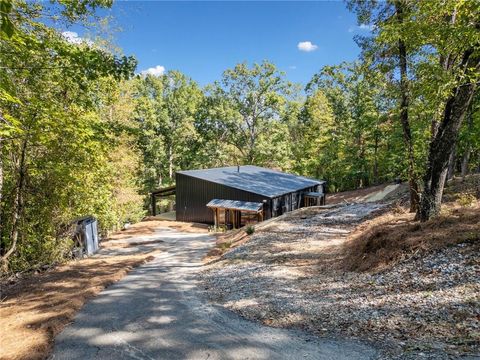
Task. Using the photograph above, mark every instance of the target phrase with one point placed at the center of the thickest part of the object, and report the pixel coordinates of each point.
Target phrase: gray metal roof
(235, 204)
(258, 180)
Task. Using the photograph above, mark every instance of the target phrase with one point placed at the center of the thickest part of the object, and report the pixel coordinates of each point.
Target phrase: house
(239, 194)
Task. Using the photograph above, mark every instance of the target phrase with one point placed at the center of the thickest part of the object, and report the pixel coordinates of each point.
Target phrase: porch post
(154, 205)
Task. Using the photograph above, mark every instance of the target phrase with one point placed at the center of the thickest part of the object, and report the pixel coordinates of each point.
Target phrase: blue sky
(202, 39)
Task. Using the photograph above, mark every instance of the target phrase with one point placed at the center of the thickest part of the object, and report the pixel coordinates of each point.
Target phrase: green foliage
(6, 25)
(244, 110)
(249, 230)
(64, 150)
(435, 45)
(165, 109)
(466, 199)
(351, 138)
(469, 139)
(225, 245)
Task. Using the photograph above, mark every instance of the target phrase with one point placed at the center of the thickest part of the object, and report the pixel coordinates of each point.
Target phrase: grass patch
(249, 229)
(224, 246)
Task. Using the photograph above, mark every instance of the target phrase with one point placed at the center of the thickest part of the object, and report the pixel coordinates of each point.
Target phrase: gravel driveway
(158, 312)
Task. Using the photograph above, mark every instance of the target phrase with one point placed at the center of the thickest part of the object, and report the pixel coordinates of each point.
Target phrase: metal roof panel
(235, 204)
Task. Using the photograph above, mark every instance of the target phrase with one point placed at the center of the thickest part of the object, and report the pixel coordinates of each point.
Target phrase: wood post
(154, 205)
(233, 217)
(238, 218)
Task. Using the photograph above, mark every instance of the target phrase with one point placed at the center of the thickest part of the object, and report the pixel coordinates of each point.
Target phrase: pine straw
(36, 309)
(225, 242)
(394, 236)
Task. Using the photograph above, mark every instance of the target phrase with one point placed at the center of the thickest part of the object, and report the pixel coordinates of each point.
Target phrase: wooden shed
(275, 191)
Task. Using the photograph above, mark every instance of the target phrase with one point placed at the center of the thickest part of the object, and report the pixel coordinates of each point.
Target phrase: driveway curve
(158, 311)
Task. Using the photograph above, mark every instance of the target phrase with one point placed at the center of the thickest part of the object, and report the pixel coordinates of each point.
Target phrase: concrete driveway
(158, 311)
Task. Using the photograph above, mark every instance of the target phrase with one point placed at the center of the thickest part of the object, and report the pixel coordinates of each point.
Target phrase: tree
(355, 143)
(317, 147)
(452, 29)
(445, 135)
(400, 8)
(245, 106)
(389, 54)
(165, 111)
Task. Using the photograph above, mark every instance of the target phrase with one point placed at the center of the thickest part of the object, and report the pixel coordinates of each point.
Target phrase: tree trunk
(2, 250)
(17, 207)
(404, 119)
(361, 157)
(444, 141)
(170, 162)
(160, 179)
(465, 161)
(251, 141)
(375, 160)
(468, 149)
(452, 164)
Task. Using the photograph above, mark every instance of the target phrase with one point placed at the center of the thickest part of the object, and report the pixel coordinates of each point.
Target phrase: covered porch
(234, 213)
(313, 199)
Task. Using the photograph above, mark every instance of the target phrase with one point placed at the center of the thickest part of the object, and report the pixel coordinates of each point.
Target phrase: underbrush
(462, 188)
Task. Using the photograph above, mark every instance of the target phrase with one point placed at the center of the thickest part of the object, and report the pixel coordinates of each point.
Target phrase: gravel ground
(287, 275)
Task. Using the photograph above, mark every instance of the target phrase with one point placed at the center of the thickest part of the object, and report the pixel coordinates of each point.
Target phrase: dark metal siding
(291, 201)
(192, 195)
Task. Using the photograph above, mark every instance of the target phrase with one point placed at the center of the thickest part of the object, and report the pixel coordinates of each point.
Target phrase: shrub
(225, 245)
(466, 200)
(249, 230)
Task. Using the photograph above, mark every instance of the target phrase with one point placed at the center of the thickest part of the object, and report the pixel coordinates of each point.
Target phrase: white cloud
(362, 27)
(292, 67)
(155, 71)
(73, 38)
(366, 27)
(306, 46)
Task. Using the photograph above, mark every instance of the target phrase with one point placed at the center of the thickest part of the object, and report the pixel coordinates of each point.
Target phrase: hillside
(364, 270)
